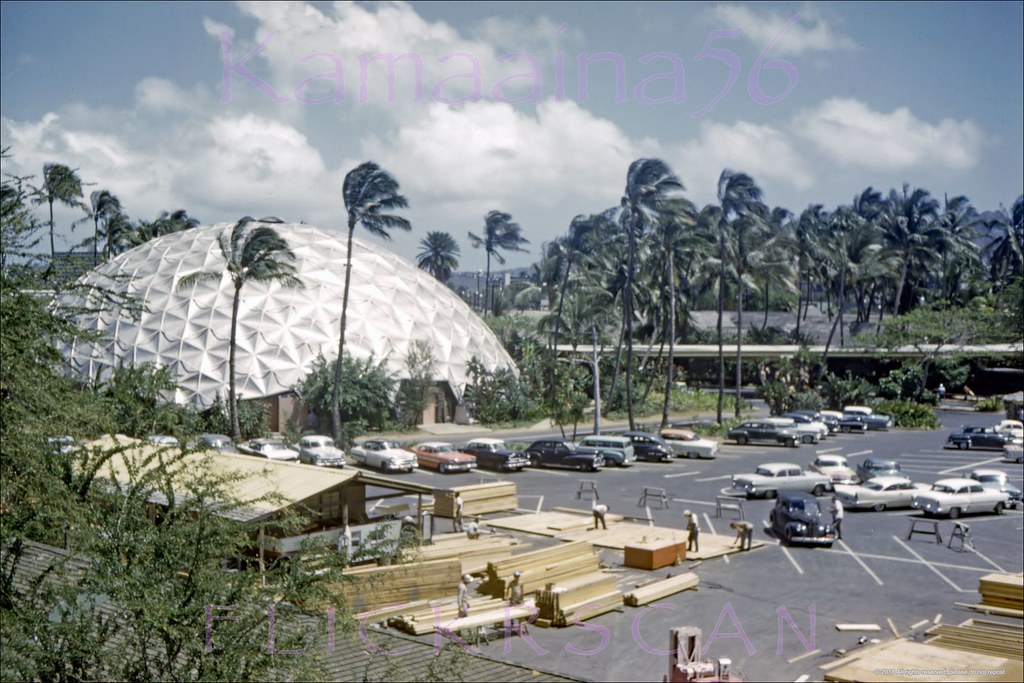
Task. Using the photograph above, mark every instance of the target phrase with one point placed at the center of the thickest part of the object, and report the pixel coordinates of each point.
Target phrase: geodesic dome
(281, 330)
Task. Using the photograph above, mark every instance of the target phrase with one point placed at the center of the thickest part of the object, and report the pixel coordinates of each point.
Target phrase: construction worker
(463, 595)
(693, 531)
(837, 517)
(599, 510)
(514, 592)
(744, 533)
(458, 512)
(473, 528)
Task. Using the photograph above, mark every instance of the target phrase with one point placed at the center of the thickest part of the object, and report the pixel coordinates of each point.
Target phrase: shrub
(908, 414)
(990, 404)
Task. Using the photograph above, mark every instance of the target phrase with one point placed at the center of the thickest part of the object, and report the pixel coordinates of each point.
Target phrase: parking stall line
(692, 502)
(856, 453)
(718, 478)
(1000, 569)
(861, 562)
(681, 474)
(909, 560)
(972, 464)
(711, 528)
(822, 451)
(928, 564)
(789, 556)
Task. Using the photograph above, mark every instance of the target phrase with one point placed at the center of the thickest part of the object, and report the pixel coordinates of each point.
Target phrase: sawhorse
(962, 532)
(728, 503)
(588, 486)
(658, 494)
(933, 523)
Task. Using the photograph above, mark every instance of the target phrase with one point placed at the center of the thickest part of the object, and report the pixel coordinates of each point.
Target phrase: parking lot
(772, 610)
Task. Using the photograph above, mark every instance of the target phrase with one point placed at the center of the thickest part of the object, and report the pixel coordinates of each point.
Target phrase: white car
(385, 455)
(1015, 428)
(836, 468)
(810, 432)
(1014, 452)
(955, 497)
(320, 450)
(773, 478)
(271, 449)
(880, 493)
(687, 444)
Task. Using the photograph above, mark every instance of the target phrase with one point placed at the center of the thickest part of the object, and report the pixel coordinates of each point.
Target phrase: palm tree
(440, 255)
(737, 196)
(912, 234)
(651, 187)
(961, 261)
(368, 192)
(808, 231)
(259, 254)
(500, 232)
(60, 184)
(1006, 251)
(104, 208)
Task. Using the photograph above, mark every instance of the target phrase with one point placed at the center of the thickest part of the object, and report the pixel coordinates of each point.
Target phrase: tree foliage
(364, 405)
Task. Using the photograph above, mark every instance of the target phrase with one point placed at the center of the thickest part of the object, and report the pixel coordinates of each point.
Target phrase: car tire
(962, 445)
(844, 429)
(879, 507)
(771, 494)
(954, 513)
(999, 508)
(742, 440)
(808, 438)
(794, 443)
(442, 468)
(788, 536)
(818, 490)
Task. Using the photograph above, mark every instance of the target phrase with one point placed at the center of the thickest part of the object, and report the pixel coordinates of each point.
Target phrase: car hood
(805, 517)
(326, 452)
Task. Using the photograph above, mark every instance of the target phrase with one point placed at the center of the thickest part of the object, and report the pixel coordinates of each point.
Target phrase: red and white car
(443, 457)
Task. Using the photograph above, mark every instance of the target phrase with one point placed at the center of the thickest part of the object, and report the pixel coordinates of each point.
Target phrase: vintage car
(1015, 428)
(798, 518)
(1013, 452)
(494, 454)
(162, 439)
(763, 431)
(687, 444)
(999, 480)
(271, 449)
(870, 468)
(320, 450)
(836, 468)
(872, 419)
(846, 423)
(443, 457)
(955, 497)
(383, 454)
(810, 432)
(555, 453)
(773, 478)
(217, 442)
(815, 420)
(979, 437)
(617, 450)
(880, 493)
(650, 447)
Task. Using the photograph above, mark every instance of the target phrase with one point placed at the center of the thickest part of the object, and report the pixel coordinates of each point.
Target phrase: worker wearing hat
(514, 592)
(693, 531)
(463, 595)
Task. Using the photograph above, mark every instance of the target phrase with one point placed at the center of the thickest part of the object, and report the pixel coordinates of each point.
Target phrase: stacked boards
(1004, 591)
(370, 587)
(477, 499)
(541, 567)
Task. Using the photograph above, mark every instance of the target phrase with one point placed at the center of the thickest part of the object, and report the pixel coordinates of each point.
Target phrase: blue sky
(536, 109)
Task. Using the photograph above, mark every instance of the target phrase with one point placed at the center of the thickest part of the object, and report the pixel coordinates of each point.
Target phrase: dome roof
(281, 330)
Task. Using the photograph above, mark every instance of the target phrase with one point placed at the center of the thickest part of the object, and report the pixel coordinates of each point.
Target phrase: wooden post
(263, 566)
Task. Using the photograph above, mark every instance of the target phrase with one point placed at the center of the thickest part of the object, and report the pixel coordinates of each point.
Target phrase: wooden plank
(660, 589)
(858, 627)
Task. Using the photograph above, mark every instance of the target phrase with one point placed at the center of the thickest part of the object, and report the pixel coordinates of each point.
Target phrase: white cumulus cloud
(796, 33)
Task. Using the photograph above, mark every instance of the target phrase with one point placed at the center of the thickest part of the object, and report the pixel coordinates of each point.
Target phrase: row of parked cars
(808, 426)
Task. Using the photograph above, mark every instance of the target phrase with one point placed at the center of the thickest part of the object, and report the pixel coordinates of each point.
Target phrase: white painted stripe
(973, 464)
(822, 451)
(681, 474)
(539, 504)
(929, 565)
(719, 478)
(1001, 570)
(650, 517)
(944, 565)
(711, 528)
(694, 502)
(805, 676)
(861, 563)
(789, 556)
(856, 453)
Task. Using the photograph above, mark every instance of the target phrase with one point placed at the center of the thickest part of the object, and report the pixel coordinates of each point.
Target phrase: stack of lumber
(1002, 590)
(477, 499)
(660, 589)
(370, 587)
(576, 599)
(423, 619)
(980, 636)
(541, 567)
(473, 553)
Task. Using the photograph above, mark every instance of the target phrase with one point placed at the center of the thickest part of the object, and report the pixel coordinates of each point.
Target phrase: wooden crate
(654, 555)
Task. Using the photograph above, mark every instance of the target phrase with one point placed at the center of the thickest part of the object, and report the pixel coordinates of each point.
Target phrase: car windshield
(990, 479)
(874, 486)
(830, 462)
(318, 443)
(764, 472)
(942, 488)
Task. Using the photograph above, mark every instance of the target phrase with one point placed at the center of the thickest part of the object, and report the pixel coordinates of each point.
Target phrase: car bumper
(827, 539)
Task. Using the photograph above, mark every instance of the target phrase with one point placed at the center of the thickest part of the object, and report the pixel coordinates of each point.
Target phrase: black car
(553, 453)
(649, 446)
(850, 423)
(798, 518)
(978, 437)
(763, 431)
(494, 454)
(879, 467)
(814, 416)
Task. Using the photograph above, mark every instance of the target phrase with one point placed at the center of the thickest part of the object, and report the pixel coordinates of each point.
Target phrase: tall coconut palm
(738, 194)
(912, 234)
(808, 232)
(104, 208)
(257, 254)
(60, 185)
(439, 255)
(651, 186)
(1006, 251)
(368, 191)
(500, 233)
(960, 255)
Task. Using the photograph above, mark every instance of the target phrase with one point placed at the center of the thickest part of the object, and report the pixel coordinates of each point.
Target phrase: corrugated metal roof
(271, 485)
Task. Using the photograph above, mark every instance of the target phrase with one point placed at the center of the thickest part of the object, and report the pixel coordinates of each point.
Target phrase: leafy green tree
(500, 233)
(439, 255)
(259, 254)
(138, 399)
(414, 393)
(1006, 251)
(366, 403)
(368, 191)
